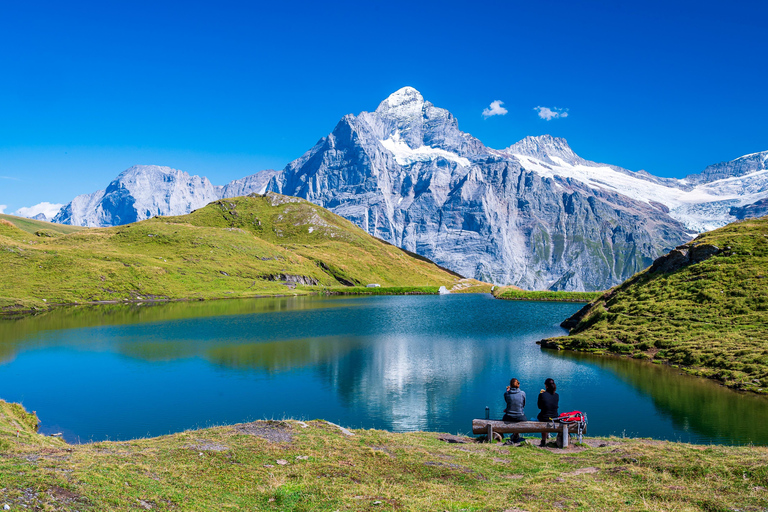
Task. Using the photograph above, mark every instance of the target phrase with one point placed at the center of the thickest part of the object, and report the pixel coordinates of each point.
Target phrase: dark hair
(514, 383)
(550, 385)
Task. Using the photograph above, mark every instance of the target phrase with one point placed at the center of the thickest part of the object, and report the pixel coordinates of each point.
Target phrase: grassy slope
(229, 248)
(710, 318)
(236, 468)
(45, 228)
(515, 293)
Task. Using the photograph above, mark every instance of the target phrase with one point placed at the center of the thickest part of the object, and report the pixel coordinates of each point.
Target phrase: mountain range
(534, 214)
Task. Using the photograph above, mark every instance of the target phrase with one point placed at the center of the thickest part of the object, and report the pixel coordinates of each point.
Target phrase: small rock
(6, 507)
(282, 462)
(269, 465)
(377, 502)
(302, 457)
(200, 454)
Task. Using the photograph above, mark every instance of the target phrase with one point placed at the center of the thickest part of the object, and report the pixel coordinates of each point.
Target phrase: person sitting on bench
(548, 403)
(515, 411)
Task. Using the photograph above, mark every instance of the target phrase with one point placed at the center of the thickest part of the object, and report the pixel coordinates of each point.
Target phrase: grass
(709, 318)
(240, 247)
(291, 465)
(514, 293)
(38, 226)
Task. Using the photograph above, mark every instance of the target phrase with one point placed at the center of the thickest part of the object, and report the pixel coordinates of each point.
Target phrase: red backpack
(571, 417)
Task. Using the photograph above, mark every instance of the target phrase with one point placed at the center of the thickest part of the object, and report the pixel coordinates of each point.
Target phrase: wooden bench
(495, 428)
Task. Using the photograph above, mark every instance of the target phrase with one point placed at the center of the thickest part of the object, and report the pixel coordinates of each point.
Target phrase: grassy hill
(515, 293)
(313, 465)
(704, 308)
(38, 226)
(240, 247)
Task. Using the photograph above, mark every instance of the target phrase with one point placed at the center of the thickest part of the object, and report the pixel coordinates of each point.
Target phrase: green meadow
(709, 318)
(242, 247)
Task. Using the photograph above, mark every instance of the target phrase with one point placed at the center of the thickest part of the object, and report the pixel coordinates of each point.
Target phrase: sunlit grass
(710, 318)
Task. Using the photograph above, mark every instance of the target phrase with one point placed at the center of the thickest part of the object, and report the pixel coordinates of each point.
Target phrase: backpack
(571, 417)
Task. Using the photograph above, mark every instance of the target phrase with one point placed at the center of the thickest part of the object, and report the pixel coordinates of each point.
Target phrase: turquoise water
(398, 363)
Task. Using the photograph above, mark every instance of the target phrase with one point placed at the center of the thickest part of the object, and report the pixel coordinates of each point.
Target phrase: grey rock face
(138, 193)
(750, 211)
(253, 184)
(144, 191)
(407, 174)
(742, 166)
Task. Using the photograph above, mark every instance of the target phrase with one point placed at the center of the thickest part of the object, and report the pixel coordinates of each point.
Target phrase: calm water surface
(397, 363)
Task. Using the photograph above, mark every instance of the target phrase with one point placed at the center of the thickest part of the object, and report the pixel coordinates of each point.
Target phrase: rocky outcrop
(751, 211)
(684, 255)
(292, 279)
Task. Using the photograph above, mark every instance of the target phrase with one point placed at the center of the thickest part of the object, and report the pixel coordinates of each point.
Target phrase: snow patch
(702, 208)
(405, 155)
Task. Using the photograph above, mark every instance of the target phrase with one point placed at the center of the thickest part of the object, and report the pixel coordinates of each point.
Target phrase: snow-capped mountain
(702, 202)
(534, 214)
(407, 174)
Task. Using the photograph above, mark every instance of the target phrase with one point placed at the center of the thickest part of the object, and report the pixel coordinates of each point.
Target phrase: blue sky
(225, 89)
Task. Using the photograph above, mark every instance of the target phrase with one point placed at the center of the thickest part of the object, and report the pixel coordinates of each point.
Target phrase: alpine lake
(400, 363)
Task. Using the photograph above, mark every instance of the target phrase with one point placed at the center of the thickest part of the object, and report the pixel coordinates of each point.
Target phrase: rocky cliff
(407, 174)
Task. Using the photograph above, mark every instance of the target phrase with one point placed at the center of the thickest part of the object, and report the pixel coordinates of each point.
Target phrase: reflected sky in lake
(399, 363)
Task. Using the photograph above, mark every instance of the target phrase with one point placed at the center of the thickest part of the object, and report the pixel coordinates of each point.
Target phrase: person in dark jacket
(515, 410)
(548, 402)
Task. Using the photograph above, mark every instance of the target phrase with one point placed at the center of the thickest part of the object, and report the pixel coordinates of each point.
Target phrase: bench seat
(494, 428)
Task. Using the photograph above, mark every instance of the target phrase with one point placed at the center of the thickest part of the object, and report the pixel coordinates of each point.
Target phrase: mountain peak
(543, 146)
(403, 102)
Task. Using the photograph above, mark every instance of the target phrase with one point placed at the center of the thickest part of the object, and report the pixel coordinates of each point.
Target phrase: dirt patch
(456, 467)
(62, 494)
(582, 471)
(384, 449)
(455, 439)
(272, 431)
(204, 445)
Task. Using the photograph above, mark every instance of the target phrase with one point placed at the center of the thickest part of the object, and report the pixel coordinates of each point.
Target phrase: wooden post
(490, 433)
(565, 435)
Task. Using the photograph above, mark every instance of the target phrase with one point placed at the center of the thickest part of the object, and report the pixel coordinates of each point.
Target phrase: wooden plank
(480, 426)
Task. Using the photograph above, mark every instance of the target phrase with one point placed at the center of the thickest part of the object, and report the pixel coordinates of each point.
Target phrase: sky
(225, 89)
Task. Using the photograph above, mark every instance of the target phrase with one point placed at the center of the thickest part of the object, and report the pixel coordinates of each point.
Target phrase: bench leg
(490, 433)
(566, 434)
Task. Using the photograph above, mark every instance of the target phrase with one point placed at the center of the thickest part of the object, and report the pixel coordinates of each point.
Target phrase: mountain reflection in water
(399, 363)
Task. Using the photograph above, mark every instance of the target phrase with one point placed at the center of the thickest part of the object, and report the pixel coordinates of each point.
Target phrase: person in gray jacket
(515, 410)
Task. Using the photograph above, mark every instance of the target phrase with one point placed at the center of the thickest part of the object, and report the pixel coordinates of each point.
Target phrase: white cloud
(495, 109)
(49, 209)
(3, 207)
(548, 114)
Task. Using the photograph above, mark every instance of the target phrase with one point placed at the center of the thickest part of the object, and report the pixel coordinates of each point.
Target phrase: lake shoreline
(549, 344)
(7, 311)
(303, 465)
